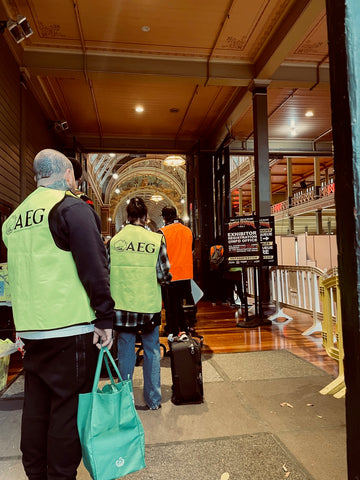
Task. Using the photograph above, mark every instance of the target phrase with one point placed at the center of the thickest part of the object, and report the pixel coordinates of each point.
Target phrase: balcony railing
(304, 197)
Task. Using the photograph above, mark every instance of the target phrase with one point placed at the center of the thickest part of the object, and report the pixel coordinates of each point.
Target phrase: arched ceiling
(155, 219)
(144, 176)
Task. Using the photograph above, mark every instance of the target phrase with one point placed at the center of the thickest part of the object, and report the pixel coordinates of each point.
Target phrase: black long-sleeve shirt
(76, 227)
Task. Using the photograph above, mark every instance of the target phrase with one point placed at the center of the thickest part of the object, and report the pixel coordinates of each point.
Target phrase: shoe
(183, 337)
(157, 407)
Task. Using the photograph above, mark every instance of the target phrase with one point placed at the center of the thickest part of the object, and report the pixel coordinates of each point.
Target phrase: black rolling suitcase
(186, 371)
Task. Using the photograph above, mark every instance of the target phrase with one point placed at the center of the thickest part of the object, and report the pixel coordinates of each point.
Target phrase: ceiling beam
(286, 148)
(69, 63)
(285, 38)
(93, 144)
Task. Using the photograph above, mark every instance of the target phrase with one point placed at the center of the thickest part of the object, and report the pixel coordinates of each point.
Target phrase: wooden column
(326, 176)
(22, 140)
(317, 181)
(261, 148)
(270, 189)
(291, 225)
(289, 180)
(253, 196)
(318, 216)
(262, 176)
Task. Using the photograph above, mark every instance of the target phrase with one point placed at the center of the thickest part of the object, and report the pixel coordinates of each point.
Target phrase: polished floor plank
(221, 335)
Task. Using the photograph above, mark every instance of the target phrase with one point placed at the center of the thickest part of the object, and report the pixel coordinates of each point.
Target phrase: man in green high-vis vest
(62, 307)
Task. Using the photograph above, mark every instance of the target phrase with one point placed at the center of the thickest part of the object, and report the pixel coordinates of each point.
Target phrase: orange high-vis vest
(214, 248)
(179, 241)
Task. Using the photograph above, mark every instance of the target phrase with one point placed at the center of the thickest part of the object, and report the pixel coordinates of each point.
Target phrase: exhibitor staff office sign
(250, 241)
(243, 244)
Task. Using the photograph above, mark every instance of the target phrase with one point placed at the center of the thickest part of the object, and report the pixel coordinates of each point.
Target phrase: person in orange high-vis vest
(216, 263)
(179, 244)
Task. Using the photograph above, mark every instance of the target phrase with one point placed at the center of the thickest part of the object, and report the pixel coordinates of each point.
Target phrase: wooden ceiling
(190, 65)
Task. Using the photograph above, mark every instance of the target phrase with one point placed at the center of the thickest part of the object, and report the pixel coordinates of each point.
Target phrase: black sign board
(243, 244)
(267, 241)
(250, 241)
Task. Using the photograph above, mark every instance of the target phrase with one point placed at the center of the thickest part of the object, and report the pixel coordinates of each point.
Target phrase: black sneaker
(157, 407)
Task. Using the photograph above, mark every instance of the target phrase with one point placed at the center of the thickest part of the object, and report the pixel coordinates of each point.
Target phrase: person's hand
(106, 336)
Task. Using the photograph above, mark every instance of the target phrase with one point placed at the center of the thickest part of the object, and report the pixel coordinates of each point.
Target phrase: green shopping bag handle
(105, 354)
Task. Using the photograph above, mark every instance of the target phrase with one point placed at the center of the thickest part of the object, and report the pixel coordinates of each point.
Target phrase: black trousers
(232, 279)
(175, 295)
(217, 286)
(56, 371)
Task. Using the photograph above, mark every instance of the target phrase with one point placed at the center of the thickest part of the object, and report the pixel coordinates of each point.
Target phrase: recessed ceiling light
(117, 190)
(309, 113)
(139, 108)
(115, 176)
(145, 28)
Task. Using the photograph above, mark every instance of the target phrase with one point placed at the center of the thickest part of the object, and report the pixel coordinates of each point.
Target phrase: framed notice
(250, 241)
(267, 241)
(242, 241)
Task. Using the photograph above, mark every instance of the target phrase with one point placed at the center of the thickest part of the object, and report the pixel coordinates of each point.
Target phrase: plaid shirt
(135, 319)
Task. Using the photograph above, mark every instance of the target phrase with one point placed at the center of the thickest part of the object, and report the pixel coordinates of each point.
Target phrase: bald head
(53, 170)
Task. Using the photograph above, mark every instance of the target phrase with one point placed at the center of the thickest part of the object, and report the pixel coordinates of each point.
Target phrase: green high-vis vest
(46, 291)
(133, 281)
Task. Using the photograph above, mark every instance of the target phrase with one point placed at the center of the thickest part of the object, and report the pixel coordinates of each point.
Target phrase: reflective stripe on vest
(133, 280)
(46, 291)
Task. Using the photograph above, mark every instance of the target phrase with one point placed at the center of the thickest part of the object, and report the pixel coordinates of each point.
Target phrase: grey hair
(50, 167)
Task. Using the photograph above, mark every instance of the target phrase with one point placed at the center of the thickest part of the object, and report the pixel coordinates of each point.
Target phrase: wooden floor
(221, 335)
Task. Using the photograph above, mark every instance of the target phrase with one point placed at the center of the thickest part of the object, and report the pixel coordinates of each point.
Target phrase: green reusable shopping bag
(110, 430)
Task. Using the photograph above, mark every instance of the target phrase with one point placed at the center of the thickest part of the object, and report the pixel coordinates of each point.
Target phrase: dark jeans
(56, 371)
(175, 295)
